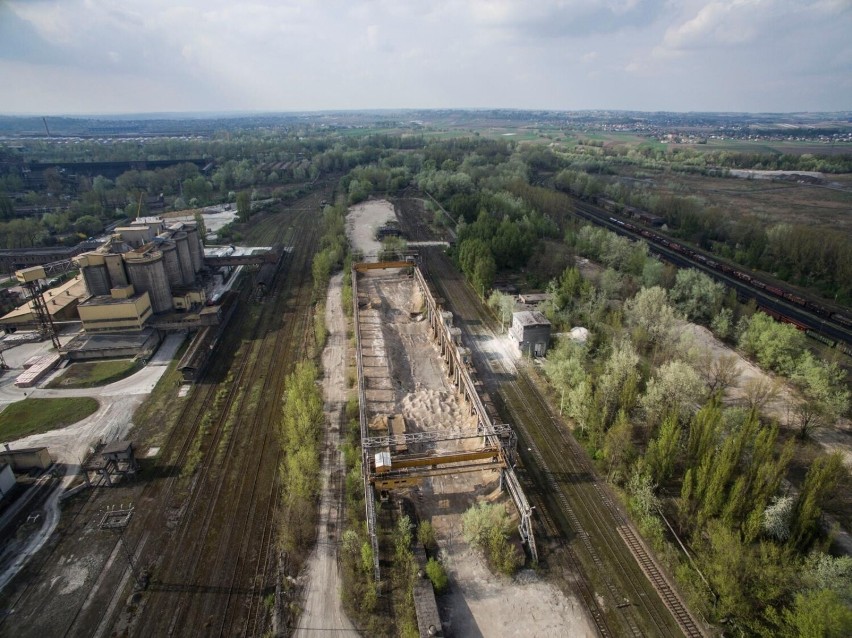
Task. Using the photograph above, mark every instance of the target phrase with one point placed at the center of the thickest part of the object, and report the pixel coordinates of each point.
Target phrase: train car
(758, 284)
(822, 338)
(775, 291)
(842, 319)
(813, 307)
(789, 296)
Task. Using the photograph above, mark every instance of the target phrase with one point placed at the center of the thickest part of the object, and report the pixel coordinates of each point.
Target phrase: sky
(142, 56)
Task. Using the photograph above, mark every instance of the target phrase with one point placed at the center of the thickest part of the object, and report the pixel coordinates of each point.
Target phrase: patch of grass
(92, 374)
(33, 416)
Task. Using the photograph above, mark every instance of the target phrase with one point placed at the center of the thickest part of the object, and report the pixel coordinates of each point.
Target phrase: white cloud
(298, 54)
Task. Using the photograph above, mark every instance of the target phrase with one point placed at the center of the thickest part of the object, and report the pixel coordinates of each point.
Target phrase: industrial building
(61, 302)
(531, 332)
(149, 259)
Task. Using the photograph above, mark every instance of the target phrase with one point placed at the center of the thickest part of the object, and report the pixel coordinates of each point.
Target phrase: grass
(34, 416)
(95, 373)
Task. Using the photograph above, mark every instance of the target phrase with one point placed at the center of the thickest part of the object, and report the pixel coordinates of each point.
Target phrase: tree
(618, 445)
(244, 206)
(89, 225)
(818, 614)
(825, 397)
(649, 312)
(564, 367)
(662, 451)
(696, 295)
(820, 481)
(503, 306)
(760, 391)
(777, 517)
(436, 573)
(719, 373)
(774, 345)
(676, 389)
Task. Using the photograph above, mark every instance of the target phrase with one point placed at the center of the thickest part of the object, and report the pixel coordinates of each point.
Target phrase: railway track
(213, 579)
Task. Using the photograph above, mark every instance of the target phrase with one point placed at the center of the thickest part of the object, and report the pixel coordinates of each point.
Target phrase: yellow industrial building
(122, 309)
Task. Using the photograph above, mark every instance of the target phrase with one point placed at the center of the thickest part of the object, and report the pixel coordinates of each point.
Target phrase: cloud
(301, 54)
(565, 18)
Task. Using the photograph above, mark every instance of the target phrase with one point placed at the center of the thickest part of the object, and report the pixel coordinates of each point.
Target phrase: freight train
(811, 306)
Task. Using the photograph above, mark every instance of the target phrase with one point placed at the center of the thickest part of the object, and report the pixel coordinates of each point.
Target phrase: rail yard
(203, 574)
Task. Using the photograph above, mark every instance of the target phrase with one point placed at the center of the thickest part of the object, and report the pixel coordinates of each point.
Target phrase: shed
(531, 331)
(118, 451)
(26, 459)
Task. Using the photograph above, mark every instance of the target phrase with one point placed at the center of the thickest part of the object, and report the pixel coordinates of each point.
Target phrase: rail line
(251, 495)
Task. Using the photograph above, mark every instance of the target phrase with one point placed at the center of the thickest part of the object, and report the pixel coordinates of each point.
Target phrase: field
(33, 416)
(95, 373)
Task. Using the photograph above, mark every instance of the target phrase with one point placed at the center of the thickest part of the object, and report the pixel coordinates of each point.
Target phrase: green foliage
(438, 575)
(775, 345)
(675, 390)
(819, 614)
(426, 536)
(33, 416)
(654, 321)
(487, 527)
(822, 477)
(503, 305)
(301, 426)
(825, 394)
(696, 295)
(244, 206)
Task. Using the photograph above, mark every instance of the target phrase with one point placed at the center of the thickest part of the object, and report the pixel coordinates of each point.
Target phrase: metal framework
(501, 431)
(41, 312)
(500, 438)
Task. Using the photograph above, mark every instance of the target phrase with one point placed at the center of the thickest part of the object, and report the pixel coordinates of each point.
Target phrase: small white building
(531, 332)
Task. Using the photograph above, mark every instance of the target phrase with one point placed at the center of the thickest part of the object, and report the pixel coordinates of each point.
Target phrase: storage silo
(172, 263)
(115, 267)
(196, 248)
(185, 257)
(94, 273)
(148, 274)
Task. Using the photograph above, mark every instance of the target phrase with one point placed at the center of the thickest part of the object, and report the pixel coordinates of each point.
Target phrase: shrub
(438, 575)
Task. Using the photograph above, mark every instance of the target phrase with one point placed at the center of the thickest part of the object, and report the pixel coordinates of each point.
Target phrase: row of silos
(170, 261)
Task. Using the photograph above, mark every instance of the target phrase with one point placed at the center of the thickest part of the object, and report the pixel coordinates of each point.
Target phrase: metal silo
(148, 274)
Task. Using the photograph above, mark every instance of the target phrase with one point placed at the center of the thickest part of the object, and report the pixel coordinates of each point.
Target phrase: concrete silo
(185, 257)
(94, 273)
(172, 263)
(115, 267)
(148, 274)
(196, 248)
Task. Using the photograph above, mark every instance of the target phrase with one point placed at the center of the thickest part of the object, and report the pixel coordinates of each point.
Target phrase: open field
(33, 416)
(826, 205)
(94, 373)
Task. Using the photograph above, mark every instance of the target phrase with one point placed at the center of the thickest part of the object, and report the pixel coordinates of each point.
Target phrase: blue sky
(99, 56)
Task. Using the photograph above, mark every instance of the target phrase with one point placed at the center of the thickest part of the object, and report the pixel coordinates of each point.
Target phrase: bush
(438, 575)
(487, 528)
(426, 535)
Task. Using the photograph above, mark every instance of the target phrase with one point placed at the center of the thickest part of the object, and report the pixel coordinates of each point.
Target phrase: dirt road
(323, 610)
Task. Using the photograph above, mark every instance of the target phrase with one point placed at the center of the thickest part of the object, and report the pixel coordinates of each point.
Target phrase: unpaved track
(323, 610)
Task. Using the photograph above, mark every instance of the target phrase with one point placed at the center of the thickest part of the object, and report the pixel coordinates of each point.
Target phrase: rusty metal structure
(384, 468)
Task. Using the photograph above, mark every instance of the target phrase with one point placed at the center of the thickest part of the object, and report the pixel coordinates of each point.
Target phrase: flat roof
(530, 318)
(108, 340)
(109, 300)
(117, 446)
